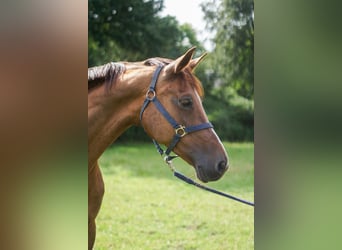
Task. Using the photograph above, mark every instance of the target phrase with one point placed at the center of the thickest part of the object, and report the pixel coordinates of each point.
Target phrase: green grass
(146, 207)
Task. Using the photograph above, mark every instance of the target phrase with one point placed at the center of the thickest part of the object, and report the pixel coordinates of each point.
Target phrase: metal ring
(180, 131)
(150, 94)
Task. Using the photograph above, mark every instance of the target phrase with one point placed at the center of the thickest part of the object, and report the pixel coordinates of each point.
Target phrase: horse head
(180, 93)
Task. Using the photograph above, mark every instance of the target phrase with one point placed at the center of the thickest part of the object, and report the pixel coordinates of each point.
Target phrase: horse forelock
(157, 61)
(107, 74)
(189, 77)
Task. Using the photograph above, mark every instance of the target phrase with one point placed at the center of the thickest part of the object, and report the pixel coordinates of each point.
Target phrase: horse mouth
(202, 176)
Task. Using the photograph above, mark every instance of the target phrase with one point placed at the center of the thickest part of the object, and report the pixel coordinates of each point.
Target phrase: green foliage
(234, 120)
(124, 26)
(146, 207)
(131, 30)
(229, 76)
(233, 55)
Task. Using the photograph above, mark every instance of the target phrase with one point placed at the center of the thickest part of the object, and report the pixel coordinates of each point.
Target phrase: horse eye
(186, 102)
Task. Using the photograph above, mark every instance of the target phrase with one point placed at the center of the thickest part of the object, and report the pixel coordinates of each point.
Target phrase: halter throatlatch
(180, 130)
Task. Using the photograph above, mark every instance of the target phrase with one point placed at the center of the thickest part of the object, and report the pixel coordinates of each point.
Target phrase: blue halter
(180, 130)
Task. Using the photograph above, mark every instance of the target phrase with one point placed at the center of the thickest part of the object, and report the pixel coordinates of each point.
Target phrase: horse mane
(107, 73)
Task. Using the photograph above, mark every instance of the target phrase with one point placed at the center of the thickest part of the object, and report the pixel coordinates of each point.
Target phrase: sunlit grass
(145, 207)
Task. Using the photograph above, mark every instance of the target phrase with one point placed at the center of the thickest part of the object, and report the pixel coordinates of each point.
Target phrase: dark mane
(107, 73)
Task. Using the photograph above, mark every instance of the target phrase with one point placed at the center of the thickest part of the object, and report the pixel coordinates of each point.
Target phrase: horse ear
(195, 62)
(180, 63)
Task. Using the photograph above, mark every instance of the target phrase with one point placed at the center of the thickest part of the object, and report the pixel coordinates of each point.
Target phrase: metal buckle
(180, 131)
(150, 94)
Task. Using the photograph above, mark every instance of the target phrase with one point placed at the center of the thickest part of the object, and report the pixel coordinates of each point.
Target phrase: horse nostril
(222, 167)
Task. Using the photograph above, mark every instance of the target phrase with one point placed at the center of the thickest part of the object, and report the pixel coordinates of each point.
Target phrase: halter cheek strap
(180, 130)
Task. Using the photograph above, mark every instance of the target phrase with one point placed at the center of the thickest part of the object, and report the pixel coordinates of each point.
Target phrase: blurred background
(134, 30)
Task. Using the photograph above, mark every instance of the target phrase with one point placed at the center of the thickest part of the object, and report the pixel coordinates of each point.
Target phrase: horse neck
(110, 114)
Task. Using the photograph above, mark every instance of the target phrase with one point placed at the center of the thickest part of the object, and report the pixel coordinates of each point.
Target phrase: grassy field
(146, 207)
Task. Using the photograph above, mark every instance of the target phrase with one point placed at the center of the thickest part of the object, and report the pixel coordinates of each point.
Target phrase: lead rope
(168, 160)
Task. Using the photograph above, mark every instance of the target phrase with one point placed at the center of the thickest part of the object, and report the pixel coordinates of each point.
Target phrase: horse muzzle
(208, 173)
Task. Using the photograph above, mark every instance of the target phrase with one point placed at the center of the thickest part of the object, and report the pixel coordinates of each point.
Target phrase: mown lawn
(146, 207)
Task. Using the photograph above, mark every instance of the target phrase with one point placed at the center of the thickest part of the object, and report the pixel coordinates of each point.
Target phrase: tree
(132, 30)
(229, 71)
(232, 21)
(120, 29)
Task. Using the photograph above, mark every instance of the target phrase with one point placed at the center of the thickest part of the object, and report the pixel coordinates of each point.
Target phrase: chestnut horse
(116, 94)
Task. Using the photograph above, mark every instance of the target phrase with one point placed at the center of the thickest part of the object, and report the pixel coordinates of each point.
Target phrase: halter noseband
(180, 130)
